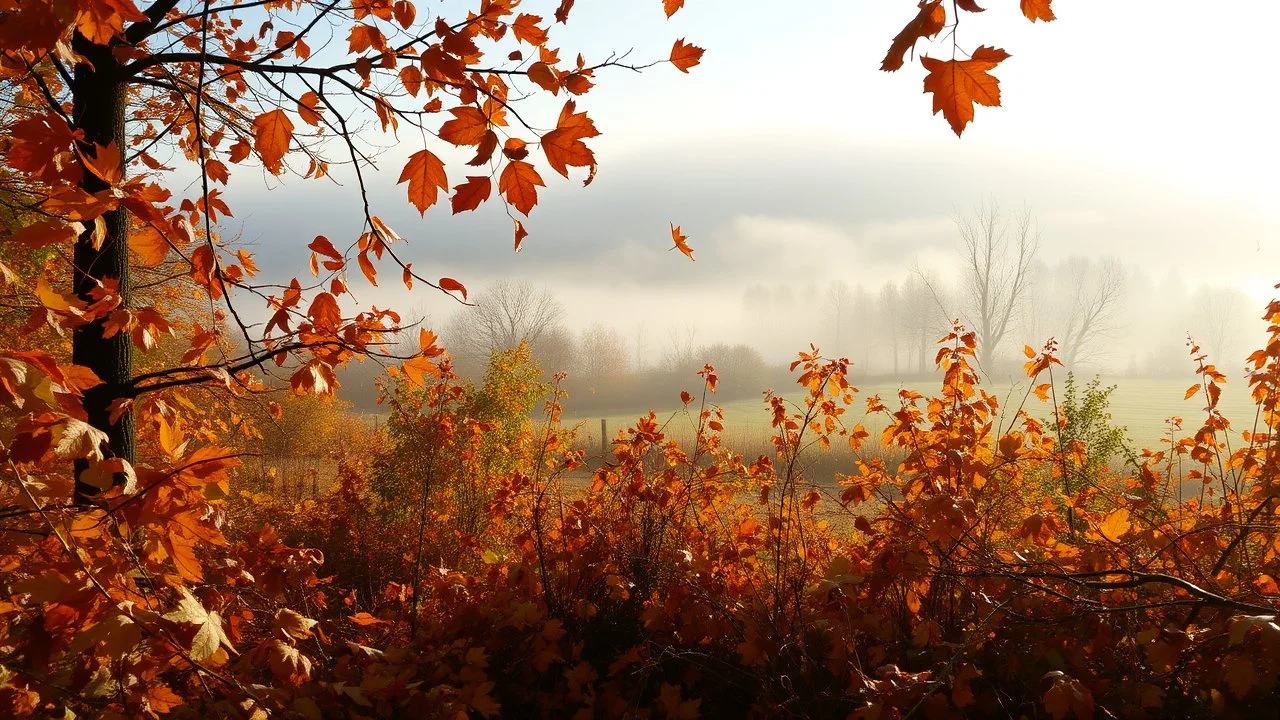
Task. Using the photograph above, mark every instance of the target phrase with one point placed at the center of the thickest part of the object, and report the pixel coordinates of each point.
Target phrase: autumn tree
(997, 257)
(1078, 301)
(505, 314)
(292, 87)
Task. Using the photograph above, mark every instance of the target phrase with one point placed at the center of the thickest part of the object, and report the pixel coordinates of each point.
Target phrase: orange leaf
(671, 6)
(309, 108)
(322, 245)
(365, 618)
(451, 285)
(563, 147)
(519, 183)
(471, 193)
(542, 74)
(680, 241)
(958, 84)
(927, 23)
(1191, 391)
(521, 234)
(411, 76)
(366, 267)
(467, 127)
(150, 245)
(425, 175)
(1038, 10)
(685, 56)
(43, 233)
(272, 132)
(1115, 524)
(526, 29)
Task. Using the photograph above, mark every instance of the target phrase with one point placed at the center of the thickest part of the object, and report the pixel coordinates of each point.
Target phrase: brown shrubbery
(458, 567)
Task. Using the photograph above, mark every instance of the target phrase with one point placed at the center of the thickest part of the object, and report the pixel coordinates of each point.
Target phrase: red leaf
(685, 56)
(471, 193)
(426, 177)
(680, 241)
(451, 285)
(927, 23)
(519, 183)
(467, 127)
(957, 85)
(272, 132)
(1038, 10)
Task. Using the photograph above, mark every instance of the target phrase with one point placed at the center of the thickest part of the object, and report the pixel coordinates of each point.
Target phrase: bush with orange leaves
(987, 574)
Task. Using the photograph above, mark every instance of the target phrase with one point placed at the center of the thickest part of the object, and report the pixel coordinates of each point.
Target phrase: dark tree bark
(98, 110)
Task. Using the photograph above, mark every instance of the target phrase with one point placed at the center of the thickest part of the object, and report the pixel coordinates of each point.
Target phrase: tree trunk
(98, 110)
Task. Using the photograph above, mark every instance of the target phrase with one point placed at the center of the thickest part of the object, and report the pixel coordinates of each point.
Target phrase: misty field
(1143, 406)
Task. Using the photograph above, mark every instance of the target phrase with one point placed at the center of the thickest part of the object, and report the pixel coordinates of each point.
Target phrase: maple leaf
(685, 56)
(272, 133)
(209, 636)
(958, 84)
(526, 30)
(927, 23)
(287, 664)
(519, 183)
(425, 174)
(471, 193)
(468, 126)
(292, 623)
(564, 147)
(969, 6)
(680, 241)
(1038, 10)
(670, 7)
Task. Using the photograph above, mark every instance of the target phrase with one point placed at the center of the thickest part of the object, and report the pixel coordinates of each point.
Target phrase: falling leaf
(680, 241)
(670, 7)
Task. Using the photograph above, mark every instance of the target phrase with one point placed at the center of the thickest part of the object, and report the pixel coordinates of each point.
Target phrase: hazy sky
(1138, 130)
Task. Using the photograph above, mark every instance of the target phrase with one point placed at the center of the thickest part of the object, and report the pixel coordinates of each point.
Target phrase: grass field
(1142, 405)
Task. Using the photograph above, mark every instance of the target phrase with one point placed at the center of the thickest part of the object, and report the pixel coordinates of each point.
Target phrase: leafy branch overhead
(957, 83)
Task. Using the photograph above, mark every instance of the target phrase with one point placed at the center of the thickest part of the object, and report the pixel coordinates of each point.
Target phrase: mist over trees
(1106, 317)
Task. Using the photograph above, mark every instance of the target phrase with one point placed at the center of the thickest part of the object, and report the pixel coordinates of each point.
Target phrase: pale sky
(1137, 130)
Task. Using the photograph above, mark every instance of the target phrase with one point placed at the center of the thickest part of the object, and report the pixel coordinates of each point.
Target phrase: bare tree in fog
(680, 353)
(1219, 318)
(505, 314)
(891, 317)
(998, 255)
(602, 355)
(1096, 289)
(839, 304)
